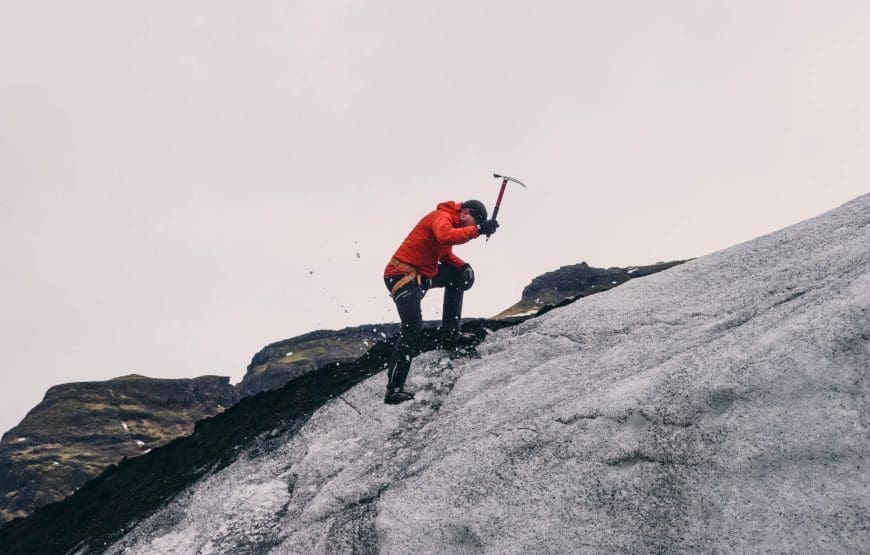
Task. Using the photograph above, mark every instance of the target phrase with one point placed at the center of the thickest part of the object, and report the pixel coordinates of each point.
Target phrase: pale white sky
(186, 182)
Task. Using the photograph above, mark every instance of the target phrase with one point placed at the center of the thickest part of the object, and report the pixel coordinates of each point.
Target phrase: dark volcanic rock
(81, 428)
(578, 280)
(286, 360)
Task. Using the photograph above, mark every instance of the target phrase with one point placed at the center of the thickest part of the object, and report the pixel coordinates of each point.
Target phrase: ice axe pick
(504, 182)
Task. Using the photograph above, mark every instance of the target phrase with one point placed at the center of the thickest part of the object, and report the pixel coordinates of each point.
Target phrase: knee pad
(466, 278)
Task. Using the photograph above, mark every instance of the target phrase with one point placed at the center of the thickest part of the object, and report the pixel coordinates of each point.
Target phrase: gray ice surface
(720, 406)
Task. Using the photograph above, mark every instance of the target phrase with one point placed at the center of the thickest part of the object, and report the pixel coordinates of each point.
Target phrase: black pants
(407, 301)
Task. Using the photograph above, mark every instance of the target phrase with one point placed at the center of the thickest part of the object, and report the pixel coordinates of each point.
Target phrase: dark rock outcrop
(81, 428)
(577, 280)
(280, 362)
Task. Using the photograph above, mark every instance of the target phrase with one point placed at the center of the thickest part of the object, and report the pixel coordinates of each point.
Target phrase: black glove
(425, 283)
(466, 279)
(488, 227)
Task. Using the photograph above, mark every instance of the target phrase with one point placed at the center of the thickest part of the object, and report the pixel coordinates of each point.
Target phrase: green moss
(324, 348)
(294, 357)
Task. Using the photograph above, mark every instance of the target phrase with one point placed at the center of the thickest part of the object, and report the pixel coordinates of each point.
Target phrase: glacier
(721, 405)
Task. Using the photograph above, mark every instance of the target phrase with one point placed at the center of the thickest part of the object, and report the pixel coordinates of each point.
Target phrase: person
(425, 260)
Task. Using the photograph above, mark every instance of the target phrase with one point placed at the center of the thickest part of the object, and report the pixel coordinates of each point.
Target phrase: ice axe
(504, 182)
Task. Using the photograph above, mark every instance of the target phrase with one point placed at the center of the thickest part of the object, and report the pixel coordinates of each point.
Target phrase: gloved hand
(425, 283)
(488, 227)
(466, 279)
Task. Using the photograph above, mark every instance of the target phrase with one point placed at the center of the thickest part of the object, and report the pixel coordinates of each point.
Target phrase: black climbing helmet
(477, 209)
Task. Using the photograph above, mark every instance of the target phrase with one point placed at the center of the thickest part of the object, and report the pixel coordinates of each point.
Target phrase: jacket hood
(451, 208)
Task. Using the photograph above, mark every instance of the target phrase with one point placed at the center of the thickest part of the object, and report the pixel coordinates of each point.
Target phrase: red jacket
(432, 239)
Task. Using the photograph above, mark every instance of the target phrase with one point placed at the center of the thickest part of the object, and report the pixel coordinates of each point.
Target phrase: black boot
(396, 395)
(399, 365)
(452, 338)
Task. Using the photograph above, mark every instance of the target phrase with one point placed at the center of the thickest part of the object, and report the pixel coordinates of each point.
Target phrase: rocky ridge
(79, 429)
(574, 281)
(280, 362)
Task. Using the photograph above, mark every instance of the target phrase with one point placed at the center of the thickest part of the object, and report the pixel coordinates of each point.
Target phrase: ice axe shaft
(504, 182)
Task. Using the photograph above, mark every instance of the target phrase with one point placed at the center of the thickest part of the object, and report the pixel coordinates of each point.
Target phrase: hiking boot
(452, 339)
(396, 395)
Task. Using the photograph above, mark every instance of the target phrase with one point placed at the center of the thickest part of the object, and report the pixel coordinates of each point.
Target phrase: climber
(424, 260)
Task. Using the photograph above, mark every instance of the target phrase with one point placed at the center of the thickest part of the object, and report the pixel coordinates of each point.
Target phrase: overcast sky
(186, 182)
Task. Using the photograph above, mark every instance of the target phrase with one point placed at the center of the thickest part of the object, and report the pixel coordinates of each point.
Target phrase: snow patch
(527, 313)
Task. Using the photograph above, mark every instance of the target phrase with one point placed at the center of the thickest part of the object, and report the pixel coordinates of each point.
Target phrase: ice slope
(719, 406)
